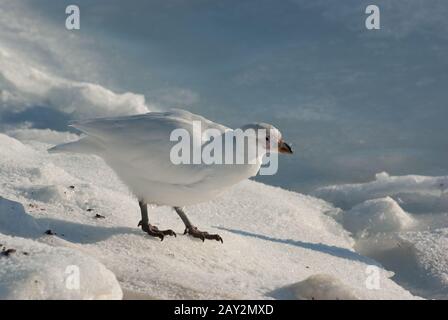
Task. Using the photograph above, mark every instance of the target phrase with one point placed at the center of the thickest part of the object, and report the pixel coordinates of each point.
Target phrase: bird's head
(269, 138)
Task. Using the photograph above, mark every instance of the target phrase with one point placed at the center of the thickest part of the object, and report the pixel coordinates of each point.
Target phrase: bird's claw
(155, 232)
(169, 232)
(195, 233)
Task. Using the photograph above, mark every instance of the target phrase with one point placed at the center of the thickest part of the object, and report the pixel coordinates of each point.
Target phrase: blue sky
(352, 102)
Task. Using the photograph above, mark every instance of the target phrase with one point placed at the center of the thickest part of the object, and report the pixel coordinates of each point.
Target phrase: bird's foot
(155, 232)
(195, 233)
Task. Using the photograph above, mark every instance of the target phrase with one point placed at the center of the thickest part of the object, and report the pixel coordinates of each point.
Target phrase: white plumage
(138, 149)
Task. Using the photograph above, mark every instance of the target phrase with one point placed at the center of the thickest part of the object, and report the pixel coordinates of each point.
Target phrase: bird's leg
(150, 229)
(193, 231)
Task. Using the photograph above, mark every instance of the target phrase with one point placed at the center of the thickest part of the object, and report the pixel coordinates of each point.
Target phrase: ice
(409, 190)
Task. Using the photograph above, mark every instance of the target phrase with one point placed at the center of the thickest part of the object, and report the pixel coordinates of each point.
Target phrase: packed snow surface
(272, 238)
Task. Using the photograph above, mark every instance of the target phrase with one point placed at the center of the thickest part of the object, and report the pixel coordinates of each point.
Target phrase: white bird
(138, 149)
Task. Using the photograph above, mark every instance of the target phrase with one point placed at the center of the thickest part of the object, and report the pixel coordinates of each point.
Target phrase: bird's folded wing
(141, 144)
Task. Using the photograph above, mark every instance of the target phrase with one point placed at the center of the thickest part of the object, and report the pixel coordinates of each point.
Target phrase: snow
(26, 85)
(375, 216)
(39, 271)
(273, 238)
(418, 257)
(429, 249)
(277, 244)
(320, 287)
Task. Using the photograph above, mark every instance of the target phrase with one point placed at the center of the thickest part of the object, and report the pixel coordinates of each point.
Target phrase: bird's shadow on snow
(15, 221)
(320, 247)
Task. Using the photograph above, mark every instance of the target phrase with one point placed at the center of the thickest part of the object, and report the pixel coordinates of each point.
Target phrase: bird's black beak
(283, 147)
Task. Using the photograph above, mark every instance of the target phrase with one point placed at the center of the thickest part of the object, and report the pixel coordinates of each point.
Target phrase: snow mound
(403, 188)
(375, 216)
(322, 287)
(10, 144)
(31, 270)
(26, 83)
